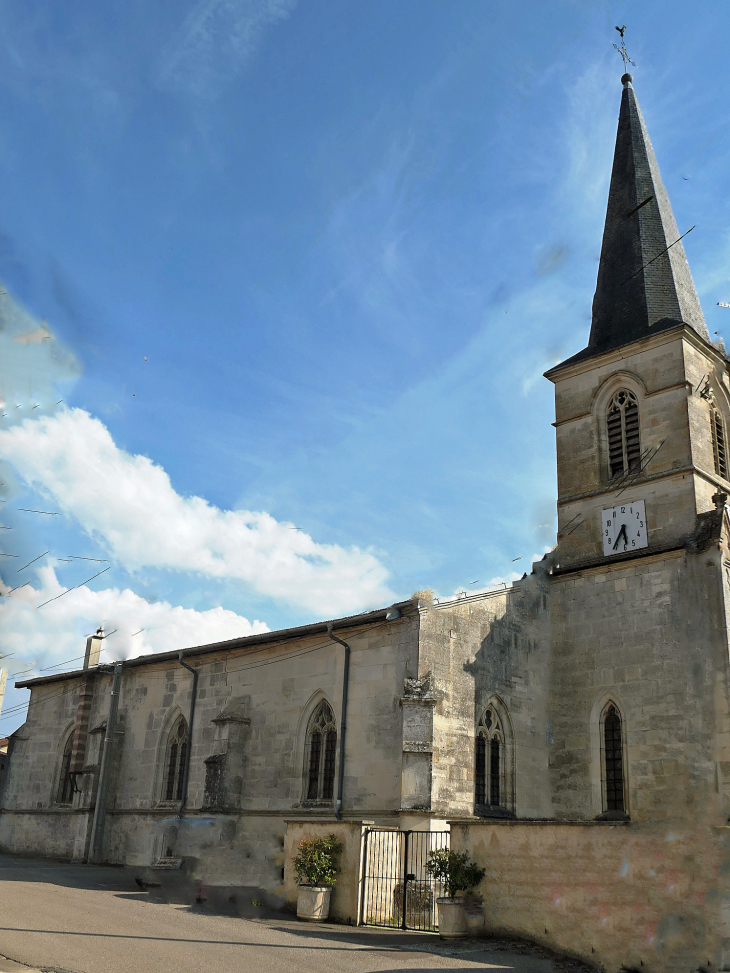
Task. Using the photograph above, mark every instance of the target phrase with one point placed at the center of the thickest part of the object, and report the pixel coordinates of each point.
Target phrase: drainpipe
(343, 724)
(102, 791)
(188, 752)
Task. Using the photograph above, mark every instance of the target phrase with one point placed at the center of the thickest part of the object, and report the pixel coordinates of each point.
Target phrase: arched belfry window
(622, 426)
(65, 793)
(489, 775)
(175, 757)
(320, 754)
(614, 777)
(719, 439)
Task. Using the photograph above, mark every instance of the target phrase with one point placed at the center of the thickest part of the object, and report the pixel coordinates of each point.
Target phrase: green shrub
(455, 870)
(316, 860)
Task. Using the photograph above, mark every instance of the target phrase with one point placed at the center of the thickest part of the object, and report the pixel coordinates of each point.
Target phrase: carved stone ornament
(415, 747)
(419, 688)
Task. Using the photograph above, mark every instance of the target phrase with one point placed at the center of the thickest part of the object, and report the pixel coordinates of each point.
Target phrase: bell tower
(641, 414)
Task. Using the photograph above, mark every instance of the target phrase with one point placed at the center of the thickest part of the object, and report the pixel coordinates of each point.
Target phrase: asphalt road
(87, 919)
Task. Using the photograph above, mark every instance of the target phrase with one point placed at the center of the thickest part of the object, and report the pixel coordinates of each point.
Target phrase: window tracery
(66, 781)
(622, 426)
(490, 761)
(175, 758)
(613, 761)
(320, 754)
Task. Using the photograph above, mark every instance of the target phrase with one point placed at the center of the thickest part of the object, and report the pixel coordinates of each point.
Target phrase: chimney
(86, 697)
(93, 648)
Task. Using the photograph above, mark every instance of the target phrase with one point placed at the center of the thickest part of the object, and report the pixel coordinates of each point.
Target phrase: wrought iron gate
(397, 890)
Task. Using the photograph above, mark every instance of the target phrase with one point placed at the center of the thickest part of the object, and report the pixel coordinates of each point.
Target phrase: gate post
(363, 877)
(406, 836)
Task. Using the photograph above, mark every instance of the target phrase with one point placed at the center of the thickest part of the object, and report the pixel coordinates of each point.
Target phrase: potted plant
(458, 874)
(316, 867)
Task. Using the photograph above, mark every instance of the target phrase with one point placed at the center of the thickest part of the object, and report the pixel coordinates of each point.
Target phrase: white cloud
(128, 504)
(215, 41)
(508, 579)
(56, 632)
(34, 364)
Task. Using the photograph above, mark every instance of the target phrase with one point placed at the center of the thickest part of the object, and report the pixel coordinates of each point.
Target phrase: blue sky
(302, 264)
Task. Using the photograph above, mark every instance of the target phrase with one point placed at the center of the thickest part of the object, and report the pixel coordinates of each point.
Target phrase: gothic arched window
(175, 758)
(320, 754)
(613, 761)
(65, 781)
(489, 789)
(719, 441)
(622, 426)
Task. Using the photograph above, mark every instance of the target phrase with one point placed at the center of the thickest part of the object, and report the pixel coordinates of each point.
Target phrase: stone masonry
(573, 727)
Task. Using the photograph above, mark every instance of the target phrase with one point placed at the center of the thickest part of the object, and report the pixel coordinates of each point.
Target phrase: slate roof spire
(631, 302)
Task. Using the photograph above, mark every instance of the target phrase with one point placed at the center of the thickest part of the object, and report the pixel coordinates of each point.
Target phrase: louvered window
(320, 757)
(622, 424)
(718, 441)
(614, 761)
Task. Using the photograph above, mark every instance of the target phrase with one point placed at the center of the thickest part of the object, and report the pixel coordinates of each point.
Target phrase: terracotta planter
(452, 918)
(313, 902)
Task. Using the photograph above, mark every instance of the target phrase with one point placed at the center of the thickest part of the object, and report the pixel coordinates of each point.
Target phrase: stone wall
(54, 833)
(665, 373)
(247, 766)
(274, 697)
(620, 896)
(219, 850)
(38, 747)
(345, 902)
(478, 648)
(649, 634)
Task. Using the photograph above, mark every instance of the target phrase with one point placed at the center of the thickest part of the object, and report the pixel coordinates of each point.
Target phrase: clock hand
(622, 531)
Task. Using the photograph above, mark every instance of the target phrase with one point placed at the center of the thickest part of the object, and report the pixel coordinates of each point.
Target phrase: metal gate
(397, 890)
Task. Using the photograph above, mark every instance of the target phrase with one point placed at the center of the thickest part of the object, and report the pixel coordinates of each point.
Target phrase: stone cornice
(712, 478)
(623, 488)
(561, 372)
(553, 822)
(617, 562)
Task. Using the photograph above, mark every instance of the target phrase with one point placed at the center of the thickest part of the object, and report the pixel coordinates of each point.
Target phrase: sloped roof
(246, 642)
(644, 282)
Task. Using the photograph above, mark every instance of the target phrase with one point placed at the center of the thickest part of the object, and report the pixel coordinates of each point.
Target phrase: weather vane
(622, 49)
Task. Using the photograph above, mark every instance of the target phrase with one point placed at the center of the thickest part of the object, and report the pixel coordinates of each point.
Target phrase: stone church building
(572, 731)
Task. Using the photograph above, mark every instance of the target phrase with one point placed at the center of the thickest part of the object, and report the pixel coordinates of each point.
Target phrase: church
(570, 731)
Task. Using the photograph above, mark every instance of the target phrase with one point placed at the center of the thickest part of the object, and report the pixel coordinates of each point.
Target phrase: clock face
(624, 528)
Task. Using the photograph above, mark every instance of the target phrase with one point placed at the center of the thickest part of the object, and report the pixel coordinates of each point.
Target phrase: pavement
(62, 918)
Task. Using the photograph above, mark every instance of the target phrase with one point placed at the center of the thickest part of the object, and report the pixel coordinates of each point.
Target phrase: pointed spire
(644, 281)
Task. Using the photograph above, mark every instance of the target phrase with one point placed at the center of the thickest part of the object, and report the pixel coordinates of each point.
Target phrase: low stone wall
(344, 903)
(619, 896)
(220, 849)
(52, 833)
(226, 851)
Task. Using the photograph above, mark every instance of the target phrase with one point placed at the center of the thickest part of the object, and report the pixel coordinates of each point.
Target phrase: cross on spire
(622, 50)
